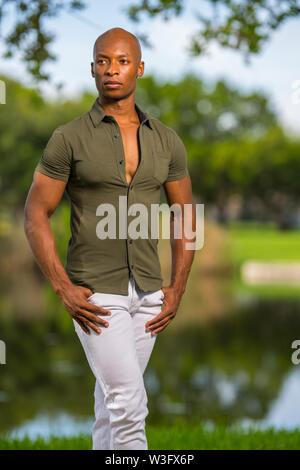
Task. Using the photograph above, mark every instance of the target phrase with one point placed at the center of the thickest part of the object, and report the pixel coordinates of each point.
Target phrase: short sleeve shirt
(88, 154)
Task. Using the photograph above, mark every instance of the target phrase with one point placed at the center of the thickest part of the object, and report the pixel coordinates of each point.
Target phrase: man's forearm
(42, 242)
(182, 258)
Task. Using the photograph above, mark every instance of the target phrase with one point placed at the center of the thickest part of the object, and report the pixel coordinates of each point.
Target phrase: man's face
(116, 60)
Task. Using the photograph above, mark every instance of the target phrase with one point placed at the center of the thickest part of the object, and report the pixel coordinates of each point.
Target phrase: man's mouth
(112, 84)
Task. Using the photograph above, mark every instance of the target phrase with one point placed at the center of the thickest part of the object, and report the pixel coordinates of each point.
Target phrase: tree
(28, 34)
(243, 25)
(234, 143)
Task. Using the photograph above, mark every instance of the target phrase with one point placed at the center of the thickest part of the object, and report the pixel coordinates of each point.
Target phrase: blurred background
(225, 76)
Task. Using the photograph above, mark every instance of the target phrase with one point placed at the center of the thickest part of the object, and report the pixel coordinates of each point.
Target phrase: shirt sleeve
(178, 167)
(56, 158)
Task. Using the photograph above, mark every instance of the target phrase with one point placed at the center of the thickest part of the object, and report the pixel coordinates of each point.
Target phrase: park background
(226, 359)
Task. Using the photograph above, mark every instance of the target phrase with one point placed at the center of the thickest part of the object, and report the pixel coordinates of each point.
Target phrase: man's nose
(112, 69)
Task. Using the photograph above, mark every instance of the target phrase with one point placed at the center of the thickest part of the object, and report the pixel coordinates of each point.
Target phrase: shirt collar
(97, 114)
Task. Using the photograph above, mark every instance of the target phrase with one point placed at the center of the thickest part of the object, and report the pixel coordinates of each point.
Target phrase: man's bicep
(179, 191)
(45, 194)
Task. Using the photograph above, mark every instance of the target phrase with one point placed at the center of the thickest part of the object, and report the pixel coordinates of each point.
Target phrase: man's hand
(74, 299)
(171, 303)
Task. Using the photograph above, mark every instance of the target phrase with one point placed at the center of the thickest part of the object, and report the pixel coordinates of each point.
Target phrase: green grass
(263, 244)
(258, 242)
(178, 437)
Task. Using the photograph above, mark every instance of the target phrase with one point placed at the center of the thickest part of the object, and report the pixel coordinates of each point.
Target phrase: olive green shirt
(88, 153)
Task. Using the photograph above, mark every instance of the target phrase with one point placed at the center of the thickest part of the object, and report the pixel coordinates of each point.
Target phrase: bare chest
(132, 151)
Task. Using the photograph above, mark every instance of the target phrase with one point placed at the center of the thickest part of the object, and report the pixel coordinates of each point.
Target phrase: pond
(234, 369)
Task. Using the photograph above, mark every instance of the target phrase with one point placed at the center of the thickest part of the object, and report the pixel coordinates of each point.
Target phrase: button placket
(119, 149)
(119, 141)
(131, 248)
(130, 195)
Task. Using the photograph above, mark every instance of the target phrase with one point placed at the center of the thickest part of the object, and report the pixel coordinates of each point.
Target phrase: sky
(275, 71)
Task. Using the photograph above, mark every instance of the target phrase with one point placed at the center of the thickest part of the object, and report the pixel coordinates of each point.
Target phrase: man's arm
(43, 198)
(179, 192)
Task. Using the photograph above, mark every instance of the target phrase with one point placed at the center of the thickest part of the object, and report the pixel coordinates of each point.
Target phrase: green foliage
(28, 34)
(241, 25)
(81, 442)
(234, 142)
(26, 123)
(202, 113)
(177, 437)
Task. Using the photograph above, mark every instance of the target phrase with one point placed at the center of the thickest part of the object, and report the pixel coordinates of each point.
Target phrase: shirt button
(121, 161)
(116, 135)
(130, 241)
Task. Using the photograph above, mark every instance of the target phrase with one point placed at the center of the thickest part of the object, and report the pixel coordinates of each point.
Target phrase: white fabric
(118, 357)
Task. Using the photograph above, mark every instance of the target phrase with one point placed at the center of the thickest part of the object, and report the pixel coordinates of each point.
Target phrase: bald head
(118, 35)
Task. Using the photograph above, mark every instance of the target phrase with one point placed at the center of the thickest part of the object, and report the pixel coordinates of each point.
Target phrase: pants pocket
(153, 298)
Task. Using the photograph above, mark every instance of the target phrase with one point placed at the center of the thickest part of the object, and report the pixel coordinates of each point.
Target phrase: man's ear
(92, 69)
(141, 69)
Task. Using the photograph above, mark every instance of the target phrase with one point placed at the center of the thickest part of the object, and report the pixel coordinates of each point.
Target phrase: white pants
(118, 357)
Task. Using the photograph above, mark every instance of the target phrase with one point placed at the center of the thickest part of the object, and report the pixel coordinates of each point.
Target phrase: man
(113, 151)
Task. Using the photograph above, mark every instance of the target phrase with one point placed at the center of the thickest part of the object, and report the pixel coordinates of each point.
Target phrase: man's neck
(123, 110)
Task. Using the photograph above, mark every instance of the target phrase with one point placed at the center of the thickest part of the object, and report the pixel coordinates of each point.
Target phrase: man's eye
(99, 60)
(124, 60)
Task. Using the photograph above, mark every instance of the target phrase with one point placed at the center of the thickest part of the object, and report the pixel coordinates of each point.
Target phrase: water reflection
(285, 411)
(59, 424)
(236, 369)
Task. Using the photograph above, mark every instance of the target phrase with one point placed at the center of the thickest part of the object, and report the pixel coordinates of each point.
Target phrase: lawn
(262, 243)
(255, 242)
(177, 437)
